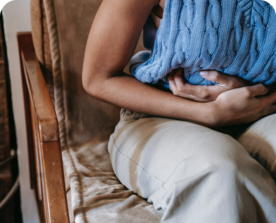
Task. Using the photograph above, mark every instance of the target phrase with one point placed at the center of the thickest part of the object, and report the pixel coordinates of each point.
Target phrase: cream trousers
(193, 174)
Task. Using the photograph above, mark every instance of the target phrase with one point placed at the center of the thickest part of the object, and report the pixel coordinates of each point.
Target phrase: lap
(151, 149)
(180, 167)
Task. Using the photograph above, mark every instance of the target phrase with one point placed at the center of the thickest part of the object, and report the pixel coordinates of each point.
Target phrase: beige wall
(17, 19)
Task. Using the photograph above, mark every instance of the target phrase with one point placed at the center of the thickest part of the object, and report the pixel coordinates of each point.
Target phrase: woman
(164, 149)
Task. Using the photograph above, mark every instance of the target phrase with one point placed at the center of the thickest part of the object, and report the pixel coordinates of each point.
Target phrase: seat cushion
(96, 193)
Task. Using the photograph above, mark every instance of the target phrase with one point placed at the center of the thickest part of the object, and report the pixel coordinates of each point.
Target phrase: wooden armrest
(45, 159)
(39, 96)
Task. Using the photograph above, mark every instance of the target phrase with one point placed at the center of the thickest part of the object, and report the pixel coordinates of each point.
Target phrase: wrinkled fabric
(194, 174)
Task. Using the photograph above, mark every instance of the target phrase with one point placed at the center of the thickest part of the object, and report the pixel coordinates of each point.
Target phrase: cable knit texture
(236, 37)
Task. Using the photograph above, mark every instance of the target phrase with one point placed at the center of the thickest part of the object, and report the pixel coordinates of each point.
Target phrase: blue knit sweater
(236, 37)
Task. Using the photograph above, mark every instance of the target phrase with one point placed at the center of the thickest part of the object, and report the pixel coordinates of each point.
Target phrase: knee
(227, 158)
(223, 157)
(225, 169)
(227, 162)
(216, 174)
(219, 168)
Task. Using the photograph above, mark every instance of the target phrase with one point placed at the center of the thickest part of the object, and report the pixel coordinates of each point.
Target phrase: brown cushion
(41, 42)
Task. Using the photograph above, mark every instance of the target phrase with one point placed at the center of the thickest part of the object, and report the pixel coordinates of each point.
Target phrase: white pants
(193, 174)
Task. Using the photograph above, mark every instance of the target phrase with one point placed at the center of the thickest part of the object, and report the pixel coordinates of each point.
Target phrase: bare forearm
(127, 92)
(111, 43)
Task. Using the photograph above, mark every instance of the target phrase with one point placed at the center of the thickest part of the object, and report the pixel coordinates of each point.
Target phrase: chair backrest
(60, 30)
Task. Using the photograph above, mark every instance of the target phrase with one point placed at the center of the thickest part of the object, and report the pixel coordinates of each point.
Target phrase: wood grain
(39, 96)
(43, 138)
(25, 40)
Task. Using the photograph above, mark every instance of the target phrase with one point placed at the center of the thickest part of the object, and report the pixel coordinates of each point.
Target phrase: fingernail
(203, 73)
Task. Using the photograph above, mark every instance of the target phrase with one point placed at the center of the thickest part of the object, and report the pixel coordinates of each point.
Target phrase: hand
(243, 105)
(203, 93)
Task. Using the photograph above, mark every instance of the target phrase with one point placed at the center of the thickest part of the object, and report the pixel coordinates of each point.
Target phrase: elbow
(85, 82)
(94, 84)
(89, 84)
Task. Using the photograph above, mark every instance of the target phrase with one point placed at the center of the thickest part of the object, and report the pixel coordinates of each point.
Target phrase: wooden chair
(68, 129)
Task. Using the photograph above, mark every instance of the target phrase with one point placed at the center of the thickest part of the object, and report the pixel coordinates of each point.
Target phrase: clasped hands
(232, 101)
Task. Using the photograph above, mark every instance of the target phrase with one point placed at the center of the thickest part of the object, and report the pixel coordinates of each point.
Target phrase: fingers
(178, 79)
(182, 89)
(269, 100)
(172, 82)
(215, 76)
(269, 110)
(202, 93)
(255, 90)
(228, 81)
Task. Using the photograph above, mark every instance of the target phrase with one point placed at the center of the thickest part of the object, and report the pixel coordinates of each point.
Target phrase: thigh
(150, 153)
(182, 167)
(260, 141)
